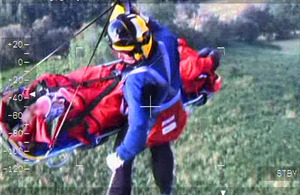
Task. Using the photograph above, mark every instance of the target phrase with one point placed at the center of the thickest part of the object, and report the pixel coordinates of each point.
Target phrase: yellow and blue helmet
(130, 33)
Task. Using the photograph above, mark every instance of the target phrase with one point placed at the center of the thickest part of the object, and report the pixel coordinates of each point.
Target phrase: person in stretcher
(97, 106)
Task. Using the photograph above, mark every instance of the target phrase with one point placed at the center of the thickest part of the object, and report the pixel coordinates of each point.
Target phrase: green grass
(252, 123)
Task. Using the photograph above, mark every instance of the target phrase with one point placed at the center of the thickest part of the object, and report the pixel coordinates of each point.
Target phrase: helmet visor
(120, 36)
(123, 46)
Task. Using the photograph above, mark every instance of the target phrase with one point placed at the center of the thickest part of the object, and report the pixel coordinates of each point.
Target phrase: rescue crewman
(152, 91)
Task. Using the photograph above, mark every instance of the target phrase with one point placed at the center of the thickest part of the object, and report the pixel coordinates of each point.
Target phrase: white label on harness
(169, 128)
(168, 120)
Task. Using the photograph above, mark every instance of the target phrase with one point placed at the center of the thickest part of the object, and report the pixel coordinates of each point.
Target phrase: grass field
(252, 124)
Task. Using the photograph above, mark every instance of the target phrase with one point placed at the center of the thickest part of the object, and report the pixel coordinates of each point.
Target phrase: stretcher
(66, 147)
(42, 154)
(65, 151)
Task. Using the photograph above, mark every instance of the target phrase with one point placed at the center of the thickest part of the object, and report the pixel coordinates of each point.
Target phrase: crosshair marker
(150, 106)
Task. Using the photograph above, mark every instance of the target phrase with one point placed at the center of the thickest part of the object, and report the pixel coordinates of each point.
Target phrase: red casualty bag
(102, 115)
(198, 71)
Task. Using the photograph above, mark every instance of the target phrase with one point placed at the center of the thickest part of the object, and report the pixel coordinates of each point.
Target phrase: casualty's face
(29, 113)
(45, 106)
(41, 107)
(127, 58)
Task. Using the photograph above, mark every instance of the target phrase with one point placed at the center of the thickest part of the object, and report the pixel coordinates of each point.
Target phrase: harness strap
(84, 83)
(166, 59)
(160, 79)
(170, 103)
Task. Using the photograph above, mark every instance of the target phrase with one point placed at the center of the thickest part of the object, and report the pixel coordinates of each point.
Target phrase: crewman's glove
(114, 161)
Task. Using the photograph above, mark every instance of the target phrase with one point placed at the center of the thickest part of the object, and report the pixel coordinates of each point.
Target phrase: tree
(246, 29)
(163, 12)
(261, 16)
(285, 19)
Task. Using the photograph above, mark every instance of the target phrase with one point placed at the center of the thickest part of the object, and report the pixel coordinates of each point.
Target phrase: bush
(64, 13)
(261, 16)
(246, 30)
(216, 33)
(47, 38)
(213, 33)
(8, 54)
(279, 19)
(43, 39)
(164, 13)
(285, 19)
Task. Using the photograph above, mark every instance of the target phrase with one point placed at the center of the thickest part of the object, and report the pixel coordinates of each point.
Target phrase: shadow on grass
(265, 45)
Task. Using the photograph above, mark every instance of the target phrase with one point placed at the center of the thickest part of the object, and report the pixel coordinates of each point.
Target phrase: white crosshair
(150, 106)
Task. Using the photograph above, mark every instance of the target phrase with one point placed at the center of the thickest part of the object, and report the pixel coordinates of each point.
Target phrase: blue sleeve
(138, 118)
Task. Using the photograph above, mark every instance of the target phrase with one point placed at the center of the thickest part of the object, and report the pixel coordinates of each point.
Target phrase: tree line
(51, 23)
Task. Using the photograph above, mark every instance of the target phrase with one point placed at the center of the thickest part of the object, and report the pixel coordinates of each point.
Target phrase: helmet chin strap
(138, 53)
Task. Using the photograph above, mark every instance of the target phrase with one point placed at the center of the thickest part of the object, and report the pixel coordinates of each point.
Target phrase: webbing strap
(166, 59)
(170, 103)
(84, 83)
(160, 79)
(77, 120)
